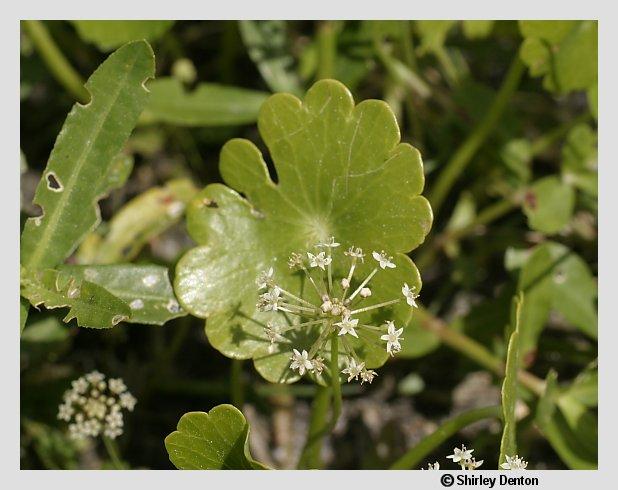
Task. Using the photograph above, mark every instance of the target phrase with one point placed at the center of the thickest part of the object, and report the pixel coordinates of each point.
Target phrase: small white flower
(355, 252)
(301, 362)
(76, 431)
(367, 375)
(273, 332)
(295, 260)
(65, 412)
(409, 294)
(392, 338)
(383, 259)
(336, 308)
(80, 385)
(434, 466)
(329, 244)
(117, 386)
(112, 432)
(265, 279)
(353, 370)
(127, 400)
(269, 301)
(347, 325)
(320, 260)
(327, 305)
(114, 419)
(71, 396)
(462, 454)
(94, 377)
(472, 464)
(345, 283)
(318, 365)
(365, 293)
(514, 463)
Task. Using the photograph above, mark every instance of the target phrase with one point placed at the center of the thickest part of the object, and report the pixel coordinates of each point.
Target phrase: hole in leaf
(117, 319)
(38, 216)
(53, 183)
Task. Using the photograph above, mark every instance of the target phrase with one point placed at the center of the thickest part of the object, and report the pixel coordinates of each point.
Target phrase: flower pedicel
(337, 311)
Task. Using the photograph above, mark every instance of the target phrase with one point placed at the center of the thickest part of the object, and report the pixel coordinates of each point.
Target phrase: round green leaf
(217, 440)
(340, 171)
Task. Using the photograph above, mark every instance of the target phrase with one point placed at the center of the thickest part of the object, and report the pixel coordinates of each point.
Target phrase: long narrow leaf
(84, 156)
(508, 444)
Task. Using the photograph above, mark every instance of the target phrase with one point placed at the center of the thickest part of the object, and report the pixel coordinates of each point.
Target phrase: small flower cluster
(94, 406)
(338, 309)
(514, 463)
(463, 456)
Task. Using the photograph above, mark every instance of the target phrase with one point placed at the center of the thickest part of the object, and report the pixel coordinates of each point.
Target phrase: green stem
(318, 426)
(400, 72)
(407, 47)
(237, 393)
(491, 213)
(112, 450)
(58, 65)
(475, 351)
(327, 48)
(448, 66)
(500, 208)
(464, 154)
(415, 455)
(335, 380)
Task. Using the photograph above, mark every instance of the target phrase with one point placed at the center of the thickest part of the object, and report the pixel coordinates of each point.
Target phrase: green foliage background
(504, 116)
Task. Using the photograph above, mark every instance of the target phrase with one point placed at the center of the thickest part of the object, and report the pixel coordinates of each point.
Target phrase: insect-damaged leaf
(341, 172)
(145, 288)
(84, 155)
(90, 305)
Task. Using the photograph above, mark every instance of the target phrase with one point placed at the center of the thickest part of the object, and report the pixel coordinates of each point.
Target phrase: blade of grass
(415, 455)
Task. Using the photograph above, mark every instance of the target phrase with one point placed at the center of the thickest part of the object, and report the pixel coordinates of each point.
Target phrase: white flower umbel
(514, 463)
(336, 313)
(461, 456)
(93, 406)
(434, 466)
